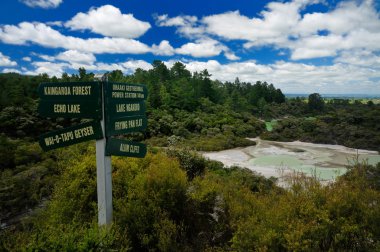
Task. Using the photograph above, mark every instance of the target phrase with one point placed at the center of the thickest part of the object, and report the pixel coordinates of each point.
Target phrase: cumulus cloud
(230, 55)
(6, 61)
(344, 75)
(164, 48)
(77, 57)
(11, 70)
(351, 25)
(43, 35)
(44, 56)
(164, 20)
(187, 26)
(45, 4)
(202, 48)
(27, 59)
(347, 16)
(58, 68)
(364, 58)
(295, 77)
(108, 20)
(50, 68)
(272, 27)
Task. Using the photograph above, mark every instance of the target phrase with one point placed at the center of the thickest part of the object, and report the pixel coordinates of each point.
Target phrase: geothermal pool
(271, 158)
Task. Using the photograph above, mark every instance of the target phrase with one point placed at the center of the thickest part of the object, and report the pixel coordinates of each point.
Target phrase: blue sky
(301, 46)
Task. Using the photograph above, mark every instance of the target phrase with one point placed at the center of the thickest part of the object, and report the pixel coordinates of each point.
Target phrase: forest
(174, 199)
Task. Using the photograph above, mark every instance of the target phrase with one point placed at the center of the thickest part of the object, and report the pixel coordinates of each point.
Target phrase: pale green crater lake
(271, 158)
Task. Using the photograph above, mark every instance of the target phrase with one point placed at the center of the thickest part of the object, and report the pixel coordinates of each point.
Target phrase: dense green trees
(178, 88)
(352, 125)
(316, 102)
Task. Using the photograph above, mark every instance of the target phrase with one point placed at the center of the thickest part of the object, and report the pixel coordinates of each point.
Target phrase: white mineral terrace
(271, 158)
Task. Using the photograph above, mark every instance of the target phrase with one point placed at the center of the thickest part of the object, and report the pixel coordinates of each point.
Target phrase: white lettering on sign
(57, 91)
(87, 131)
(81, 90)
(67, 108)
(129, 148)
(122, 95)
(130, 124)
(129, 107)
(73, 108)
(117, 95)
(68, 136)
(59, 108)
(64, 90)
(120, 87)
(52, 140)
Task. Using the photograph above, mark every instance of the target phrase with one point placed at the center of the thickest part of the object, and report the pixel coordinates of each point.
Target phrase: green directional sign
(70, 100)
(69, 91)
(118, 147)
(127, 107)
(127, 124)
(72, 135)
(70, 109)
(121, 91)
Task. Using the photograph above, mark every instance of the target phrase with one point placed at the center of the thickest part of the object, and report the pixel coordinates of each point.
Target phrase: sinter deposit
(276, 159)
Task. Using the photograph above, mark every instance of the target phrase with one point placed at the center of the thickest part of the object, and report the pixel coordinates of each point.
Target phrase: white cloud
(348, 16)
(362, 58)
(295, 77)
(50, 68)
(44, 35)
(351, 25)
(77, 57)
(45, 4)
(108, 20)
(184, 20)
(27, 59)
(202, 48)
(132, 65)
(44, 56)
(164, 48)
(187, 26)
(58, 68)
(6, 61)
(352, 76)
(272, 27)
(230, 55)
(11, 70)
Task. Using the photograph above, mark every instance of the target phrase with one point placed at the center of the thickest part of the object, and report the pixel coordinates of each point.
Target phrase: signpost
(69, 91)
(127, 124)
(128, 107)
(120, 91)
(117, 108)
(70, 100)
(103, 175)
(72, 135)
(120, 147)
(70, 109)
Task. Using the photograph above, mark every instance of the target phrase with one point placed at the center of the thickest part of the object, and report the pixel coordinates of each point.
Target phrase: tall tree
(316, 102)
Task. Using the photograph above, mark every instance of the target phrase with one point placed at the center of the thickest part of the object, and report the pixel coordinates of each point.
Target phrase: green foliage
(191, 161)
(316, 102)
(154, 204)
(220, 130)
(27, 177)
(349, 125)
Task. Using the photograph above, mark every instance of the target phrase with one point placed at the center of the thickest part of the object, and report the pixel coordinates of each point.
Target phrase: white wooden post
(103, 173)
